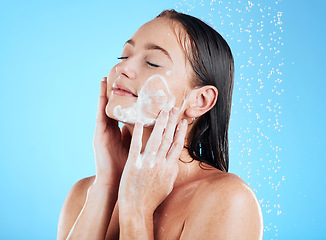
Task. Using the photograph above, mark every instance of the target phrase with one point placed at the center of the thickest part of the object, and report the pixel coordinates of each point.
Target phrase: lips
(121, 90)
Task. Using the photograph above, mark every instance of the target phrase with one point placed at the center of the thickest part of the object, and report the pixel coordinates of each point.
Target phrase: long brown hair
(211, 59)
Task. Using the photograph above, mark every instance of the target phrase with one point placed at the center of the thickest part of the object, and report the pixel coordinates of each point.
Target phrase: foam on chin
(153, 97)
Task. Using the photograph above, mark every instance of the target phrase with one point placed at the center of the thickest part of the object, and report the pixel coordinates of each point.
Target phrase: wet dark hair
(211, 59)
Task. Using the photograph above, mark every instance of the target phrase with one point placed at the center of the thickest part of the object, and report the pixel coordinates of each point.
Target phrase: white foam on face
(153, 97)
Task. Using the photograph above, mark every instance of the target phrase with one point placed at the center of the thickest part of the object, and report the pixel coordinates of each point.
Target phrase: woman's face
(150, 77)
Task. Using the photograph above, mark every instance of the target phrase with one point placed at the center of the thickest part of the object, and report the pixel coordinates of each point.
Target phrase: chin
(109, 111)
(113, 102)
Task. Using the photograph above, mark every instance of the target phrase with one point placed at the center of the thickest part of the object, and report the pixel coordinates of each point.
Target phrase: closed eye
(121, 58)
(149, 63)
(152, 64)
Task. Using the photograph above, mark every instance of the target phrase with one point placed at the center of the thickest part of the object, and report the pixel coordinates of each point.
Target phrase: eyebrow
(131, 42)
(151, 46)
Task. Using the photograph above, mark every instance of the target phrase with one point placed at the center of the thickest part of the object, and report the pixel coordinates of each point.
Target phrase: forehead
(156, 27)
(161, 32)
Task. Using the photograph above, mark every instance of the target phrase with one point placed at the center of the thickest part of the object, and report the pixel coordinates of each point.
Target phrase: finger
(168, 134)
(136, 141)
(102, 101)
(154, 140)
(178, 142)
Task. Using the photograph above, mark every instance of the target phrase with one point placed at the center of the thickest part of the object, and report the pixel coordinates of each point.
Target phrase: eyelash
(149, 63)
(152, 64)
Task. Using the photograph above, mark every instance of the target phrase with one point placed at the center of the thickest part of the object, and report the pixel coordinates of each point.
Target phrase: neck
(189, 169)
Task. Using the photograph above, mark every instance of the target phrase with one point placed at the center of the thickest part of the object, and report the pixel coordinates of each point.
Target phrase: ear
(201, 100)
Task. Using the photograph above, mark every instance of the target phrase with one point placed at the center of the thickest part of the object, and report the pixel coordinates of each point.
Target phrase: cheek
(153, 97)
(156, 96)
(155, 104)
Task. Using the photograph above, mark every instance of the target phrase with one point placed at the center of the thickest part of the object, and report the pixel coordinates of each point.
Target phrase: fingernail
(175, 111)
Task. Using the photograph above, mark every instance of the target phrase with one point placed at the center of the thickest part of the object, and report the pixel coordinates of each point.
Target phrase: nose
(126, 68)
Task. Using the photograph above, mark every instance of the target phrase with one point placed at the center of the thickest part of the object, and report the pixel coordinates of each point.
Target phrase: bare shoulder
(227, 191)
(72, 206)
(225, 185)
(77, 194)
(226, 208)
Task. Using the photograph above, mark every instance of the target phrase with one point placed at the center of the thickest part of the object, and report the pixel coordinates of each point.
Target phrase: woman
(164, 175)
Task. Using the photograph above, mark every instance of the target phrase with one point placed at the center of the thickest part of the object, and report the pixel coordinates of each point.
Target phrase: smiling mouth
(123, 92)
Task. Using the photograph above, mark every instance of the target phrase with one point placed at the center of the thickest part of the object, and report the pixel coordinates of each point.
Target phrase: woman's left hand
(148, 178)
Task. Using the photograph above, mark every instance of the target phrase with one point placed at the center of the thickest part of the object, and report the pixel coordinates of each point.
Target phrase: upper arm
(227, 209)
(72, 206)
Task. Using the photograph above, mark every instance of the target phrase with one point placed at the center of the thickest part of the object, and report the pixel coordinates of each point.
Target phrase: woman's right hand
(111, 146)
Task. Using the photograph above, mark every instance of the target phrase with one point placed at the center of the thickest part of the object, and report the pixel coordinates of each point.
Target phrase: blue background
(53, 55)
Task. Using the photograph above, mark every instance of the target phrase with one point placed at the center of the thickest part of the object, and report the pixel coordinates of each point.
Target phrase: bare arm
(94, 218)
(227, 210)
(89, 206)
(87, 211)
(136, 225)
(72, 206)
